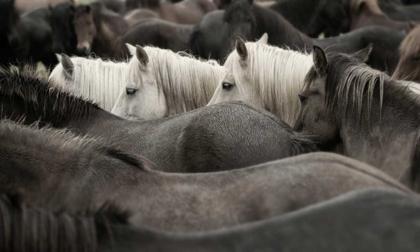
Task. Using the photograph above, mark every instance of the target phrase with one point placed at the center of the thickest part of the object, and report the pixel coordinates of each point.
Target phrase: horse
(9, 31)
(367, 12)
(24, 6)
(36, 39)
(410, 57)
(264, 76)
(117, 6)
(91, 78)
(315, 17)
(136, 16)
(385, 41)
(162, 83)
(400, 12)
(362, 113)
(56, 170)
(207, 139)
(185, 12)
(107, 229)
(63, 32)
(158, 33)
(214, 36)
(96, 28)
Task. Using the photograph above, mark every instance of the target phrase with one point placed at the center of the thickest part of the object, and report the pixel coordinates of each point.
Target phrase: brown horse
(367, 12)
(185, 12)
(138, 15)
(408, 67)
(26, 5)
(98, 29)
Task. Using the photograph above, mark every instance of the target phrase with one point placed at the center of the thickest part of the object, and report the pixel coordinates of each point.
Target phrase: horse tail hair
(302, 143)
(29, 229)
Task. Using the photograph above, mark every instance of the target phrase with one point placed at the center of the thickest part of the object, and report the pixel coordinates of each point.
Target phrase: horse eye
(227, 86)
(130, 91)
(302, 98)
(415, 58)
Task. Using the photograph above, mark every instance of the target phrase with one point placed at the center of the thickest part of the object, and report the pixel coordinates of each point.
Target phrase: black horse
(9, 34)
(63, 32)
(214, 36)
(159, 33)
(315, 17)
(379, 220)
(401, 12)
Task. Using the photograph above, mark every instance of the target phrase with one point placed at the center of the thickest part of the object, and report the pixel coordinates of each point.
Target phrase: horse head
(64, 35)
(9, 22)
(85, 28)
(241, 20)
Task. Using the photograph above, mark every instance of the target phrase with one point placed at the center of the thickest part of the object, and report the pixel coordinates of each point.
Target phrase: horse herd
(253, 137)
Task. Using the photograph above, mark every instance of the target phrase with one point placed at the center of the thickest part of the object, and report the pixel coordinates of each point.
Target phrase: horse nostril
(302, 98)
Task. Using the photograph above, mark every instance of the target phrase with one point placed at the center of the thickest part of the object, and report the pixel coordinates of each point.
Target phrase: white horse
(264, 76)
(163, 83)
(94, 79)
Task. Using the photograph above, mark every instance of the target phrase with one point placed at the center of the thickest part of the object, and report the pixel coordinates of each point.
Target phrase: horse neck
(280, 31)
(187, 91)
(297, 11)
(280, 81)
(384, 140)
(100, 81)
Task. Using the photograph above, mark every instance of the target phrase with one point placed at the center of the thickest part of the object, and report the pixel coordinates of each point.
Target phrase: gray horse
(221, 137)
(363, 114)
(56, 170)
(376, 220)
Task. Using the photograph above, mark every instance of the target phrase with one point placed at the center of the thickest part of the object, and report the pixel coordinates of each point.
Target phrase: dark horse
(98, 29)
(63, 32)
(315, 17)
(363, 114)
(400, 12)
(214, 36)
(159, 33)
(9, 34)
(221, 137)
(36, 35)
(56, 170)
(184, 12)
(379, 220)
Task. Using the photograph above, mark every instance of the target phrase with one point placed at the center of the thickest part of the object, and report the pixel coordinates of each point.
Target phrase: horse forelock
(49, 103)
(63, 141)
(276, 75)
(186, 82)
(26, 228)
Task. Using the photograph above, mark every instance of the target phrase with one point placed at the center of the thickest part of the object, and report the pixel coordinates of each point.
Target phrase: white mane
(95, 79)
(276, 75)
(186, 82)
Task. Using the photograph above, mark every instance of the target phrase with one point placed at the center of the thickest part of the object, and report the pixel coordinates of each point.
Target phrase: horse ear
(141, 55)
(58, 56)
(131, 49)
(241, 48)
(67, 65)
(363, 55)
(320, 61)
(263, 39)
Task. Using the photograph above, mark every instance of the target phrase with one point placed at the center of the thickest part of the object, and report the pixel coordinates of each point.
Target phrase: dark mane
(415, 167)
(64, 140)
(351, 86)
(40, 98)
(28, 229)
